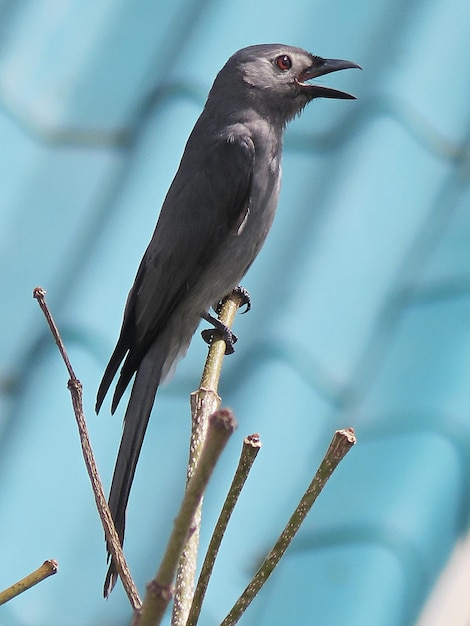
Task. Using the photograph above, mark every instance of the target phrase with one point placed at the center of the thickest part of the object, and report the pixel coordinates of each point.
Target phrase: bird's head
(276, 78)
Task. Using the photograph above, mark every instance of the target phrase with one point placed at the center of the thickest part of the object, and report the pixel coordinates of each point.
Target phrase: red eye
(284, 62)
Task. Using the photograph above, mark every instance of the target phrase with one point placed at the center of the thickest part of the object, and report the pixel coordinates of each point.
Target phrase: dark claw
(245, 297)
(243, 294)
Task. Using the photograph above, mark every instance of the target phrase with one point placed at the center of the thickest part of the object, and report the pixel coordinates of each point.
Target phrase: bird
(212, 224)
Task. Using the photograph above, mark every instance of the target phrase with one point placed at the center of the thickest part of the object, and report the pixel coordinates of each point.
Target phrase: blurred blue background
(361, 302)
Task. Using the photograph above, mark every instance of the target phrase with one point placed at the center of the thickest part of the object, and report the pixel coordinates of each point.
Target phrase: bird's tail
(136, 419)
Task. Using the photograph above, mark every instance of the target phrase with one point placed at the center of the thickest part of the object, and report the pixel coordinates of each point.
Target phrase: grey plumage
(213, 222)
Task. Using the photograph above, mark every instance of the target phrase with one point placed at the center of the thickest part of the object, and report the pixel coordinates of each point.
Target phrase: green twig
(251, 447)
(159, 591)
(340, 445)
(204, 401)
(48, 568)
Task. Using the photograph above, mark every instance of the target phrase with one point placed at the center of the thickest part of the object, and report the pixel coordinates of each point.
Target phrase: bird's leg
(219, 330)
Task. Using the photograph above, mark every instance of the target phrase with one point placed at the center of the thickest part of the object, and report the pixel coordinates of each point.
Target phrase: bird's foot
(220, 331)
(244, 296)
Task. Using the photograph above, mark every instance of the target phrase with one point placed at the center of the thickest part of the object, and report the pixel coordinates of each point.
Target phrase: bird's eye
(284, 62)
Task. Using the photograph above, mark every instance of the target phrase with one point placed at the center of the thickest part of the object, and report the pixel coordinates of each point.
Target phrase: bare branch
(75, 388)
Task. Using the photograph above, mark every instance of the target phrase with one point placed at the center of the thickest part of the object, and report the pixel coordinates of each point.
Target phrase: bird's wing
(207, 202)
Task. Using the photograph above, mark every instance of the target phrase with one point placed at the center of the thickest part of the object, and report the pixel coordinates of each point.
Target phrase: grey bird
(213, 222)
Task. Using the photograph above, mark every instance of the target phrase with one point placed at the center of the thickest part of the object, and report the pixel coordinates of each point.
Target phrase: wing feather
(207, 202)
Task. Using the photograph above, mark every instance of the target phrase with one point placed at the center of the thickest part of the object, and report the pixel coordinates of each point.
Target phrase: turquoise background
(361, 302)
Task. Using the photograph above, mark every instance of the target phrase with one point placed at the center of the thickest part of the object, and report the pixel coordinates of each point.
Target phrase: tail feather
(110, 372)
(136, 419)
(125, 376)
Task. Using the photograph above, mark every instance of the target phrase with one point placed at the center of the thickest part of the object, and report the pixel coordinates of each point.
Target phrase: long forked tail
(135, 424)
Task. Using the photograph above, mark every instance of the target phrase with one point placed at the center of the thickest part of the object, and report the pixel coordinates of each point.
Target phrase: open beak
(319, 68)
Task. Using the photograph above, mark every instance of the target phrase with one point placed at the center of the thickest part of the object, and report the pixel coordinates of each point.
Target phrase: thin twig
(48, 568)
(40, 295)
(250, 449)
(75, 388)
(204, 402)
(159, 591)
(340, 445)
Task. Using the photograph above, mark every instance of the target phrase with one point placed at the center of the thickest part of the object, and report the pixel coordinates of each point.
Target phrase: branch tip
(349, 434)
(223, 419)
(48, 568)
(51, 566)
(39, 293)
(253, 440)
